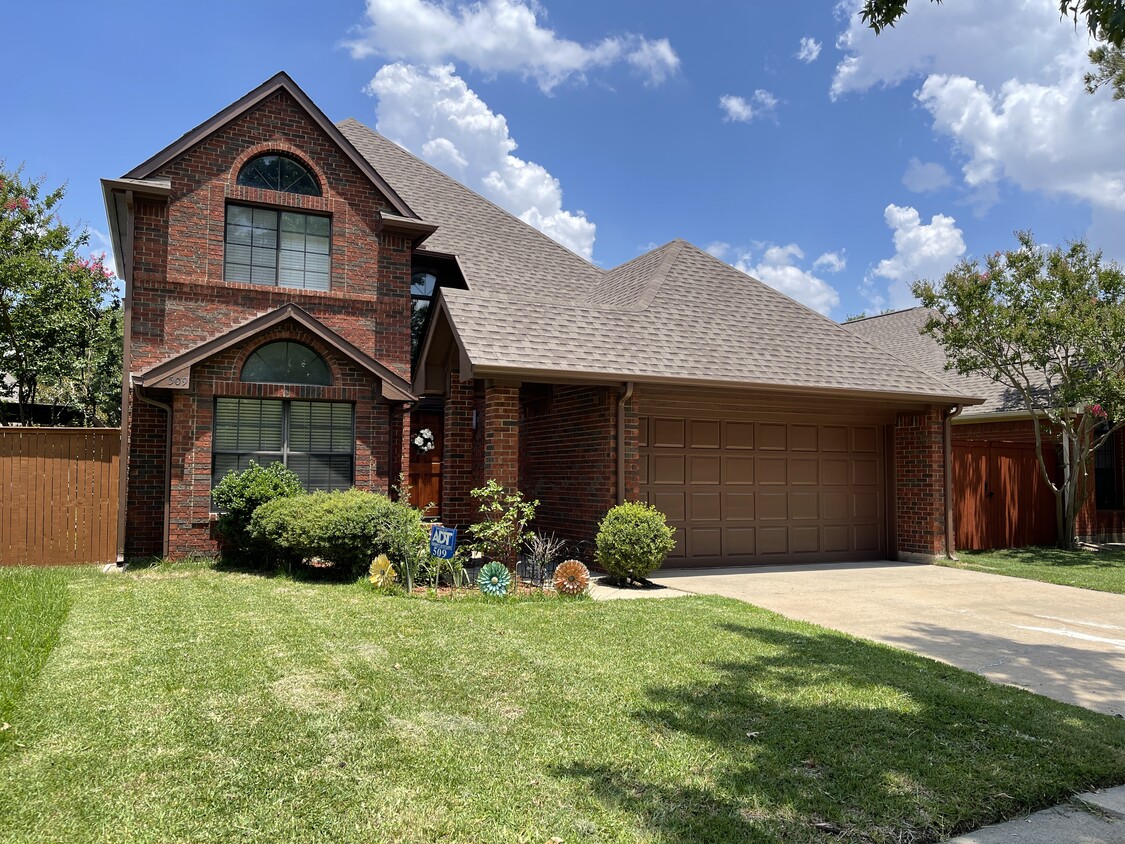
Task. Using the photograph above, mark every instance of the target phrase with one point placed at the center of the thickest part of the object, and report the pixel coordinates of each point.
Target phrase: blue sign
(443, 542)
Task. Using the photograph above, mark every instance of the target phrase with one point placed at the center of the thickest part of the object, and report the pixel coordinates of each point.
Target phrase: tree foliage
(1109, 69)
(60, 320)
(1105, 19)
(1050, 326)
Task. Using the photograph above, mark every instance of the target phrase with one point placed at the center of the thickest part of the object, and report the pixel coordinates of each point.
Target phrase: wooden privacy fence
(58, 495)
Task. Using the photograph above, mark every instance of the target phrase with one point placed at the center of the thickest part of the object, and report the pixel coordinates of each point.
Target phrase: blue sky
(785, 138)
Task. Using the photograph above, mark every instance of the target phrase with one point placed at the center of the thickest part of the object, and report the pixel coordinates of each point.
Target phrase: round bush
(633, 540)
(345, 529)
(239, 494)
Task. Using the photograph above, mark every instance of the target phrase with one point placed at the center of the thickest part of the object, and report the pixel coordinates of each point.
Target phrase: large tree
(1048, 324)
(59, 316)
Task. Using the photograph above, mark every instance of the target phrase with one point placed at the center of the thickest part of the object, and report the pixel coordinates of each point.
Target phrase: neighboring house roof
(674, 314)
(394, 386)
(900, 333)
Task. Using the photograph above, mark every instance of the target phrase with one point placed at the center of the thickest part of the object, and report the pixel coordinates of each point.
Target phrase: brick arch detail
(280, 148)
(329, 354)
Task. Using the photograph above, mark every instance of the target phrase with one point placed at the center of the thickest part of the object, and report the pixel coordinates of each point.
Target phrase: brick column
(501, 460)
(919, 491)
(457, 453)
(632, 449)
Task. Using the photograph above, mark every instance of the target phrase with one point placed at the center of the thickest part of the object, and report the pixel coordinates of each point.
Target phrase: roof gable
(279, 82)
(394, 386)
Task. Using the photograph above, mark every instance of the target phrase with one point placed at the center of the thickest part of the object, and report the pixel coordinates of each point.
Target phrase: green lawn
(187, 704)
(1100, 570)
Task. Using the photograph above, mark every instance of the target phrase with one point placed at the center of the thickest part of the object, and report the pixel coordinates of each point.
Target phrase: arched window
(278, 172)
(284, 362)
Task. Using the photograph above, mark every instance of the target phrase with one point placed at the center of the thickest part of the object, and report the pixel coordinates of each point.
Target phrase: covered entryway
(766, 490)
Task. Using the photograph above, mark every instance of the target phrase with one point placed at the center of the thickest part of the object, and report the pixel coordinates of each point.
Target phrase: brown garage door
(743, 492)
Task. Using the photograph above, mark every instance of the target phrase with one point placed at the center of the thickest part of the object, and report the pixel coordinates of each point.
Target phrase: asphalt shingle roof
(675, 312)
(900, 333)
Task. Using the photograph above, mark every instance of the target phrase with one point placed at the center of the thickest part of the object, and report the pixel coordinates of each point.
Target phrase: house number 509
(176, 381)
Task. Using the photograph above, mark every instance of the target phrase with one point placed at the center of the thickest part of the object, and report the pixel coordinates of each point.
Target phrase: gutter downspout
(621, 402)
(947, 431)
(167, 408)
(127, 342)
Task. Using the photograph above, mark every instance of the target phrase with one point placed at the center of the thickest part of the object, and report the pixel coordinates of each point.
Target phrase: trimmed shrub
(345, 529)
(633, 540)
(239, 494)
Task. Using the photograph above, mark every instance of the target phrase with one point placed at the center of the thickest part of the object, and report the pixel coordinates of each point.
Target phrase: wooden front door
(1000, 498)
(425, 466)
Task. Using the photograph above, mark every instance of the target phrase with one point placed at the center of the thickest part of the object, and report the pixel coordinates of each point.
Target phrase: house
(305, 291)
(1000, 497)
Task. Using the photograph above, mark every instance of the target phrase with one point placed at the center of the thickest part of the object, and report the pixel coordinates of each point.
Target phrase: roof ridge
(653, 286)
(884, 314)
(465, 187)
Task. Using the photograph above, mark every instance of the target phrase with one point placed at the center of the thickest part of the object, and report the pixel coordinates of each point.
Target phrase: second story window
(422, 289)
(277, 248)
(278, 172)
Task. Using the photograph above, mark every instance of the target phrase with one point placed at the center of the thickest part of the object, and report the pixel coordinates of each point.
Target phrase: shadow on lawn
(818, 737)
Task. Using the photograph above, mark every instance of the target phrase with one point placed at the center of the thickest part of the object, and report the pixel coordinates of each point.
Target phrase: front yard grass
(193, 705)
(1103, 571)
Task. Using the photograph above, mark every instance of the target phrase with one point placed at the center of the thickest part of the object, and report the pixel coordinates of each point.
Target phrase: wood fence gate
(1000, 499)
(58, 495)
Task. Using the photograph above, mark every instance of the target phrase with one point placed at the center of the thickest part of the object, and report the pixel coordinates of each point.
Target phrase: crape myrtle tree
(60, 319)
(1105, 21)
(1048, 324)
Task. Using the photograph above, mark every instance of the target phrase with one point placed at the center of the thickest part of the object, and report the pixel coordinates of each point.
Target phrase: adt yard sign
(443, 542)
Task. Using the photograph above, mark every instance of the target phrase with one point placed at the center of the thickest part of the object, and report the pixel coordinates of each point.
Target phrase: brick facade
(179, 300)
(919, 484)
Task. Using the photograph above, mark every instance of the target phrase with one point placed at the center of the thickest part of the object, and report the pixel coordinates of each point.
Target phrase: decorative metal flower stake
(382, 573)
(494, 579)
(571, 578)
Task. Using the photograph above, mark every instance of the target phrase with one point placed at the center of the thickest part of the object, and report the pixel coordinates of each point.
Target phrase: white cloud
(832, 262)
(923, 177)
(809, 50)
(497, 36)
(718, 248)
(778, 268)
(922, 251)
(1015, 108)
(741, 110)
(431, 111)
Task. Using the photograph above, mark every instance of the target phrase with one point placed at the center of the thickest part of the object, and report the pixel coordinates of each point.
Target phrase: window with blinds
(277, 248)
(314, 439)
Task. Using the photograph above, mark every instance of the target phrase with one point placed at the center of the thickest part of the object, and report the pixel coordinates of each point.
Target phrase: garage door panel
(745, 491)
(703, 470)
(705, 507)
(773, 540)
(667, 469)
(771, 436)
(739, 435)
(773, 506)
(803, 471)
(739, 506)
(804, 505)
(771, 470)
(804, 540)
(704, 433)
(671, 504)
(738, 470)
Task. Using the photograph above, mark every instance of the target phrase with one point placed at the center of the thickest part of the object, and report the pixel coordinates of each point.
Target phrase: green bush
(239, 494)
(345, 529)
(633, 540)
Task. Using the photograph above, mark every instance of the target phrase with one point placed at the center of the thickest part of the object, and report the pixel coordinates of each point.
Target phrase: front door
(425, 463)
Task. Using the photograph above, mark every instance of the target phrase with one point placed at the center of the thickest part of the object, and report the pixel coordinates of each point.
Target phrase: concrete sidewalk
(1093, 818)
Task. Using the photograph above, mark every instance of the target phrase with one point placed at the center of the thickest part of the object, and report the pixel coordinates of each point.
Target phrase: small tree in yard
(60, 326)
(1049, 325)
(503, 532)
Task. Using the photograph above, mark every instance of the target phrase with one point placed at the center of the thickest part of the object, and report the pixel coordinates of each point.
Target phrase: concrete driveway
(1065, 643)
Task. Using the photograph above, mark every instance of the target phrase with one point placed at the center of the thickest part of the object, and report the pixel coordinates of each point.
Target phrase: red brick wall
(501, 424)
(179, 299)
(1013, 431)
(457, 476)
(193, 414)
(568, 458)
(919, 483)
(144, 526)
